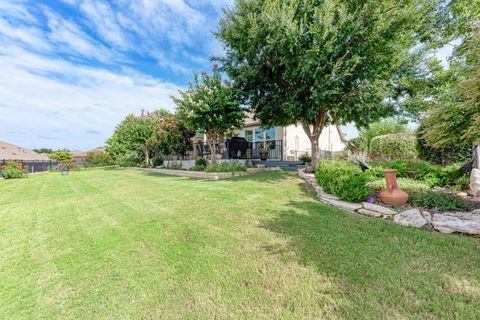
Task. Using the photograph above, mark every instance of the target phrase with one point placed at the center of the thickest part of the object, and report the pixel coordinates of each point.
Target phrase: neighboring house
(80, 157)
(35, 162)
(290, 142)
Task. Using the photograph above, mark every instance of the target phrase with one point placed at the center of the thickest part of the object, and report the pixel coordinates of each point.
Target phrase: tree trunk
(313, 133)
(147, 157)
(213, 149)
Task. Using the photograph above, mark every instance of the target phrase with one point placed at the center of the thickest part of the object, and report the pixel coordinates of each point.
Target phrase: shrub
(201, 162)
(462, 183)
(394, 146)
(448, 155)
(12, 170)
(232, 166)
(343, 179)
(127, 160)
(420, 170)
(440, 201)
(305, 158)
(99, 159)
(408, 185)
(157, 161)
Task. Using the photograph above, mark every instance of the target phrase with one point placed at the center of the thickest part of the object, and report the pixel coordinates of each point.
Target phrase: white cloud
(105, 21)
(37, 100)
(72, 69)
(30, 36)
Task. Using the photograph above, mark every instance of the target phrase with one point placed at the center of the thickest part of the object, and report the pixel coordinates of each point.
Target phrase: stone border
(447, 222)
(201, 174)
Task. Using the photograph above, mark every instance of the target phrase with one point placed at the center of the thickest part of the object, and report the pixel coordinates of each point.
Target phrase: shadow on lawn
(265, 177)
(374, 258)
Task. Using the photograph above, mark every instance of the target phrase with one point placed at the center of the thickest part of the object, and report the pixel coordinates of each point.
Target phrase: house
(80, 157)
(31, 160)
(290, 142)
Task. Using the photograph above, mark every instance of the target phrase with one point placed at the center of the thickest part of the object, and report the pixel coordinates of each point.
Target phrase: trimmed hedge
(343, 179)
(394, 146)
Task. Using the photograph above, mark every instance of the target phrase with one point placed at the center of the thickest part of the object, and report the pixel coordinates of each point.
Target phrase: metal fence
(33, 165)
(224, 151)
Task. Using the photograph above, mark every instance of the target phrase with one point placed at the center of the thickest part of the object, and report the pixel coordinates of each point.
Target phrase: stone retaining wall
(204, 175)
(447, 222)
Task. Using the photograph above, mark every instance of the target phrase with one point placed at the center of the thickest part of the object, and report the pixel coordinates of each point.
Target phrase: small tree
(64, 159)
(132, 137)
(455, 121)
(172, 137)
(211, 106)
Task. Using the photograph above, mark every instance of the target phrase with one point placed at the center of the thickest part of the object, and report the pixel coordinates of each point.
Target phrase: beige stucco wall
(296, 142)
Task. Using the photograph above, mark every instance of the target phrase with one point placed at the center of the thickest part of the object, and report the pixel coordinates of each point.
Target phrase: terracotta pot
(392, 195)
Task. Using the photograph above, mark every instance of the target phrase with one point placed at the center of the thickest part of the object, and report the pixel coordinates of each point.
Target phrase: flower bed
(448, 222)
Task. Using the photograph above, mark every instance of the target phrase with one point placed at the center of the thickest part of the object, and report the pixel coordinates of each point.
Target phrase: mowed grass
(125, 244)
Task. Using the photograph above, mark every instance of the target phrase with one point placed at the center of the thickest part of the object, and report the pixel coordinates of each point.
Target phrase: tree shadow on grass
(265, 177)
(386, 269)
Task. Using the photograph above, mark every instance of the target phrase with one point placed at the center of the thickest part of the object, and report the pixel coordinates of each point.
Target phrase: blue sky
(72, 69)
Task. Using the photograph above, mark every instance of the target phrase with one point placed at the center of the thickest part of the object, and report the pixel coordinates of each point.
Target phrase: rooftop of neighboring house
(10, 151)
(81, 154)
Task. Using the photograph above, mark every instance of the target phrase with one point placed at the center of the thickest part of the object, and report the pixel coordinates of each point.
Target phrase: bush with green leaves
(99, 159)
(420, 170)
(201, 162)
(157, 161)
(305, 158)
(344, 179)
(232, 166)
(446, 155)
(394, 147)
(439, 201)
(12, 170)
(410, 186)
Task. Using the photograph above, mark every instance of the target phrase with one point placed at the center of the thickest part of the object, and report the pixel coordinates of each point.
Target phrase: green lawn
(125, 244)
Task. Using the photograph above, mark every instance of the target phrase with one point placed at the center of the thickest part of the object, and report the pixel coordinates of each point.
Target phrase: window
(249, 135)
(258, 134)
(270, 134)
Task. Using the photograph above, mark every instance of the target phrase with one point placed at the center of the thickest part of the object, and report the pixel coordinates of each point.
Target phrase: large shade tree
(321, 62)
(212, 106)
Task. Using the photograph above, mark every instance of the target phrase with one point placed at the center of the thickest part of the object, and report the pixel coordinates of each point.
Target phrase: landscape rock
(475, 183)
(411, 218)
(457, 222)
(370, 213)
(381, 209)
(349, 206)
(427, 215)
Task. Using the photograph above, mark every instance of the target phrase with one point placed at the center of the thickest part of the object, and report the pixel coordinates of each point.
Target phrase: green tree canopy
(210, 105)
(455, 118)
(325, 61)
(61, 156)
(131, 137)
(172, 137)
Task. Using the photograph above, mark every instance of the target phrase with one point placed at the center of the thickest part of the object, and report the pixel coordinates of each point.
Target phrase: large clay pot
(392, 195)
